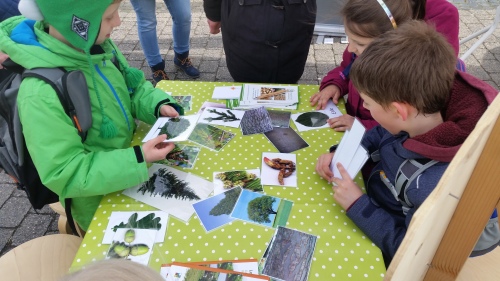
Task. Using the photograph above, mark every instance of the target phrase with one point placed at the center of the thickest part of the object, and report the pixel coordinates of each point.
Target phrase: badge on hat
(80, 26)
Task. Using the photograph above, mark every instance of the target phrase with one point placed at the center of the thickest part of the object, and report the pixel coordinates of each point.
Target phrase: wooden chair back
(46, 258)
(446, 227)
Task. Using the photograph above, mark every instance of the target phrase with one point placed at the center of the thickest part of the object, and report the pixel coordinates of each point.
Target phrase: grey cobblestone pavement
(20, 223)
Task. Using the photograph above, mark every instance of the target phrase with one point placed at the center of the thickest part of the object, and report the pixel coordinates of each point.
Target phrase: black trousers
(267, 41)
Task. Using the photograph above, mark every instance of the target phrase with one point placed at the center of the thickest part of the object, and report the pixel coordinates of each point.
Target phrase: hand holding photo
(279, 169)
(350, 152)
(176, 128)
(183, 156)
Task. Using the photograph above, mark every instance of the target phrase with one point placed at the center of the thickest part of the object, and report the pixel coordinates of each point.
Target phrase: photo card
(132, 244)
(256, 121)
(305, 121)
(210, 104)
(182, 155)
(279, 118)
(176, 128)
(278, 257)
(227, 92)
(279, 169)
(215, 211)
(222, 117)
(185, 102)
(247, 179)
(171, 190)
(210, 136)
(249, 266)
(286, 140)
(262, 209)
(193, 272)
(155, 220)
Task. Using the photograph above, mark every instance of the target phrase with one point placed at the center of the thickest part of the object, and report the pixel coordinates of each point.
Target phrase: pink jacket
(440, 13)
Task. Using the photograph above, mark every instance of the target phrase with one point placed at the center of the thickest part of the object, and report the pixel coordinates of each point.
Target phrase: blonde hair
(114, 270)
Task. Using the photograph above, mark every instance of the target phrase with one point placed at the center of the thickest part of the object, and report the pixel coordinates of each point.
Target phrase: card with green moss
(182, 155)
(210, 136)
(176, 128)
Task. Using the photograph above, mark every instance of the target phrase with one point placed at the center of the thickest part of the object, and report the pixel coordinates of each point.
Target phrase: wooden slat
(473, 211)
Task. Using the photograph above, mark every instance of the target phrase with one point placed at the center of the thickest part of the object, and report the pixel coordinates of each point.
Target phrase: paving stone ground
(20, 223)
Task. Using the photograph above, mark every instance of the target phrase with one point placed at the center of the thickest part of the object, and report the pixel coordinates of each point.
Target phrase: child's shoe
(183, 62)
(159, 72)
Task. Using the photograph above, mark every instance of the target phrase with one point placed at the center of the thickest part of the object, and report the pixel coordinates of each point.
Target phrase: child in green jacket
(74, 35)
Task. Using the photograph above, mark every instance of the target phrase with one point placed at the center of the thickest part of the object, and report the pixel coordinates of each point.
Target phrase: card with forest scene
(210, 136)
(171, 191)
(176, 128)
(185, 102)
(215, 211)
(182, 155)
(247, 179)
(262, 209)
(222, 117)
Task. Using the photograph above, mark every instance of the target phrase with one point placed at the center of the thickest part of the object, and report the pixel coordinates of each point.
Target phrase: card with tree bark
(289, 255)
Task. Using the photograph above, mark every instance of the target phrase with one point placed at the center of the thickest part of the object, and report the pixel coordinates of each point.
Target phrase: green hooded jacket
(72, 169)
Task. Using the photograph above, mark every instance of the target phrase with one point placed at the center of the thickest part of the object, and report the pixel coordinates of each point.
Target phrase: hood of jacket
(24, 42)
(469, 98)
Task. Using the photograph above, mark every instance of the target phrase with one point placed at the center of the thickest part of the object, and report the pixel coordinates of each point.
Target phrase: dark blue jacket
(377, 213)
(8, 8)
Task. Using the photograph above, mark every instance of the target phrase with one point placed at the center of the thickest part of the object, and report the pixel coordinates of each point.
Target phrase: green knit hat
(79, 21)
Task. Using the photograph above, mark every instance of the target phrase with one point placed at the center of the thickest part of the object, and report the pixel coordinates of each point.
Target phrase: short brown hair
(367, 18)
(413, 64)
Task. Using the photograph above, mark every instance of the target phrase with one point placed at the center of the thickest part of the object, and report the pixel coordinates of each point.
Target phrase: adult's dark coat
(265, 41)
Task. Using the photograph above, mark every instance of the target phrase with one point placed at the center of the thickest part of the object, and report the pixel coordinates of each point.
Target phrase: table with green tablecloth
(342, 251)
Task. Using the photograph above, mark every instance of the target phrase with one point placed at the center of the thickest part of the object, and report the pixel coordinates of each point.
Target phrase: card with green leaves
(176, 128)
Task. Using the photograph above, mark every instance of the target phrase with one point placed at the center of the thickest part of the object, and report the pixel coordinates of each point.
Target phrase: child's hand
(323, 166)
(321, 98)
(168, 111)
(345, 191)
(341, 123)
(155, 149)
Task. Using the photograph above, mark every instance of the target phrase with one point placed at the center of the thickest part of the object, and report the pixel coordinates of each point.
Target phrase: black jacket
(8, 8)
(265, 41)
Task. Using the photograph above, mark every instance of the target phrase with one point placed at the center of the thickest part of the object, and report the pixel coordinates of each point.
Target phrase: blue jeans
(180, 10)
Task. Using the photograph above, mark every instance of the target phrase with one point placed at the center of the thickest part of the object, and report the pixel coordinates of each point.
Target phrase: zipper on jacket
(114, 93)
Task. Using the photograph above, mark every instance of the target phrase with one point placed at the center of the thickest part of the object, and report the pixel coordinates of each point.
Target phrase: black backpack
(71, 88)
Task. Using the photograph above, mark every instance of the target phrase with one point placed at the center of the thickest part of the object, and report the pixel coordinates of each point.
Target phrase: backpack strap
(71, 88)
(407, 172)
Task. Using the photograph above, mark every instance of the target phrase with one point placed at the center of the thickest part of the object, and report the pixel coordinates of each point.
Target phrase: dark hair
(367, 18)
(418, 7)
(412, 64)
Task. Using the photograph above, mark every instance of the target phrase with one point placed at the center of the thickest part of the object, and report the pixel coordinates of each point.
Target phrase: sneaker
(183, 62)
(159, 72)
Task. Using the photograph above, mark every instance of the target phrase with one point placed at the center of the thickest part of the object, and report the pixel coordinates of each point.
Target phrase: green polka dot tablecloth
(342, 251)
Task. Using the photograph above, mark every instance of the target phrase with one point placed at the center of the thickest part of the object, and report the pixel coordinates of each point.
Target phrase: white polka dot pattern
(342, 251)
